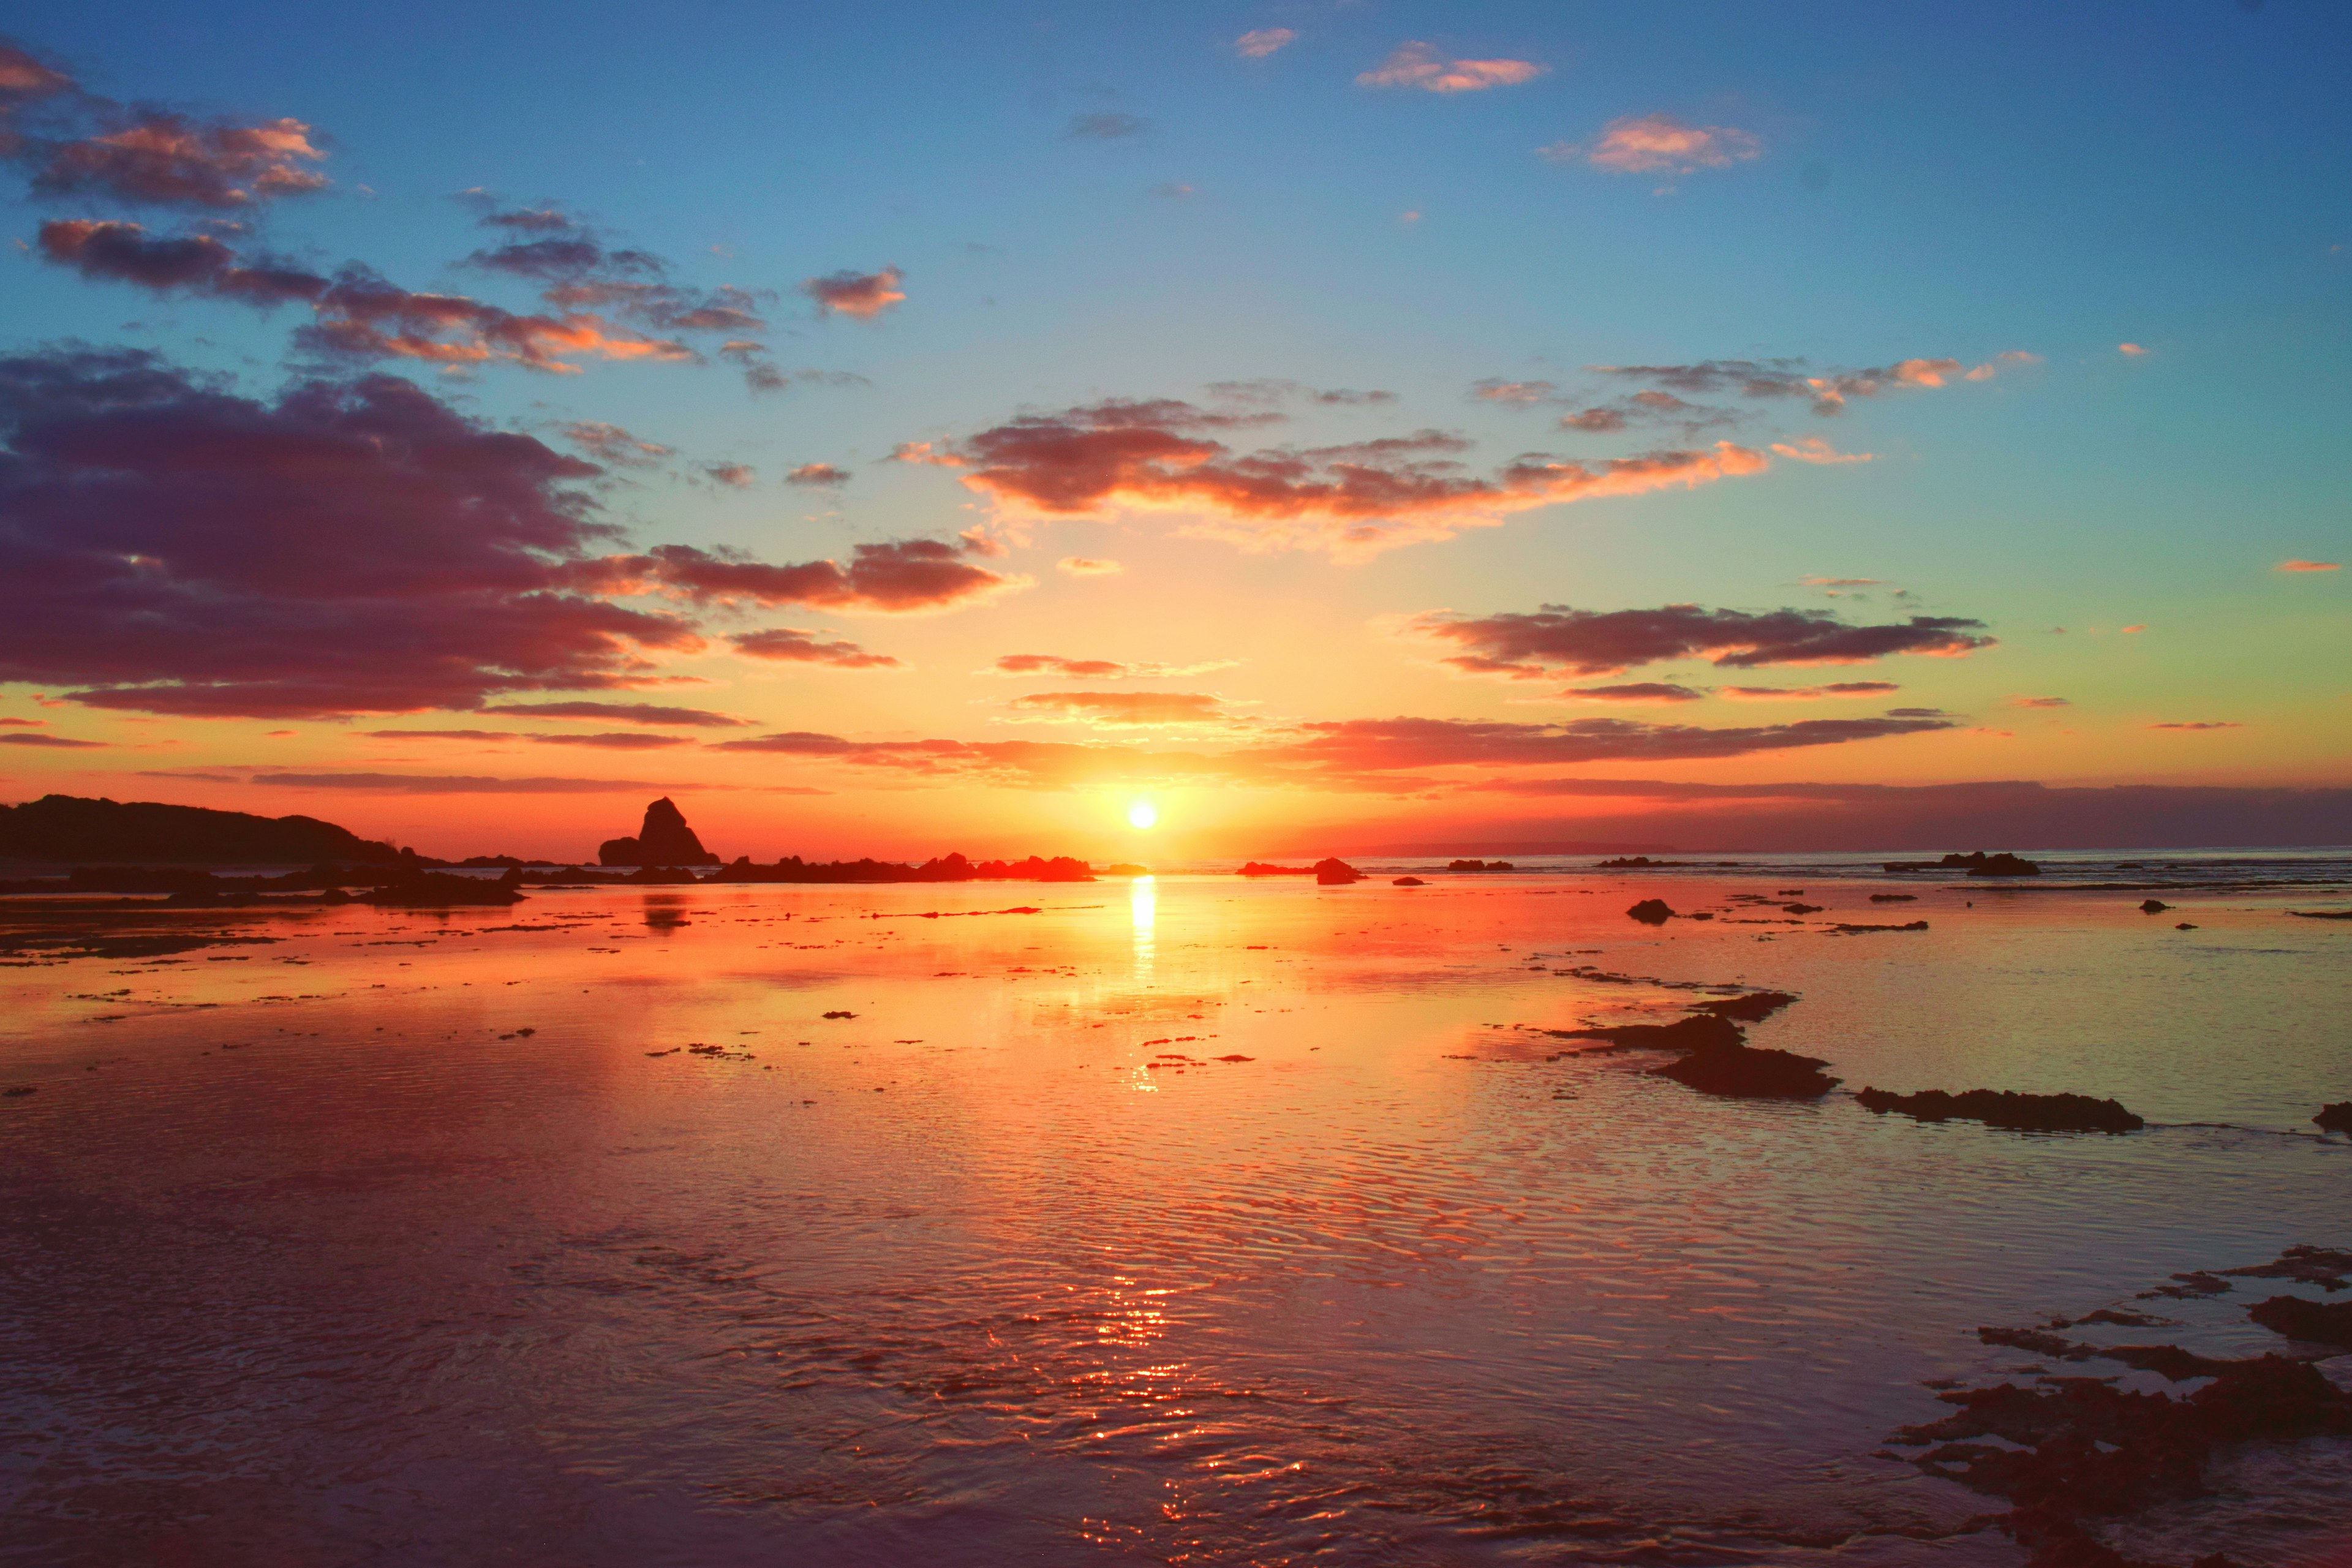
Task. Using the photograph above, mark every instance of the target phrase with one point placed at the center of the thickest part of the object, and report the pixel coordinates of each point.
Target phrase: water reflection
(665, 913)
(1143, 908)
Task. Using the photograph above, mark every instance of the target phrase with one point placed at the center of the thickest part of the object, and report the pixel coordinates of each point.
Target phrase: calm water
(964, 1278)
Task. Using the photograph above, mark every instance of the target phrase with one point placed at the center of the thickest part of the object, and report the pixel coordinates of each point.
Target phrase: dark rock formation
(1716, 1058)
(2321, 914)
(1335, 872)
(1976, 863)
(1894, 898)
(1480, 866)
(2153, 905)
(66, 828)
(437, 890)
(2336, 1118)
(2320, 1322)
(665, 840)
(1633, 863)
(1261, 869)
(1409, 882)
(1845, 928)
(2007, 1108)
(1652, 911)
(1748, 1009)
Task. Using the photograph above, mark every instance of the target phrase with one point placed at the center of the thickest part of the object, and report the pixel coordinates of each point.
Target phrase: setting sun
(1142, 813)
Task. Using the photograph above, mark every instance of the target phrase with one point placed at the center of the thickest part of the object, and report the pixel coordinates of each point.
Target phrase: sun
(1142, 813)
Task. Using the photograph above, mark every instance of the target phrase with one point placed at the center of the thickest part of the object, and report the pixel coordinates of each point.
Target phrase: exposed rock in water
(1652, 911)
(1335, 872)
(1755, 1004)
(664, 839)
(1894, 898)
(2007, 1108)
(1480, 866)
(1265, 869)
(2336, 1118)
(2321, 914)
(2320, 1322)
(1717, 1059)
(1634, 863)
(437, 891)
(2153, 905)
(1409, 882)
(1976, 863)
(1845, 928)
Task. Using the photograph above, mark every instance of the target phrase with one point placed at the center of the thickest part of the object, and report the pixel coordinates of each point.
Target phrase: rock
(77, 828)
(1845, 929)
(1976, 863)
(1894, 898)
(1261, 869)
(1745, 1072)
(2008, 1110)
(1409, 882)
(1336, 872)
(1755, 1004)
(2153, 905)
(2184, 925)
(437, 890)
(664, 839)
(1652, 912)
(1634, 863)
(2336, 1118)
(2321, 914)
(1480, 866)
(2320, 1322)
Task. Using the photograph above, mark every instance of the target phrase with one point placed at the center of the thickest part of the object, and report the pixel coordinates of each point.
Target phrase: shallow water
(963, 1279)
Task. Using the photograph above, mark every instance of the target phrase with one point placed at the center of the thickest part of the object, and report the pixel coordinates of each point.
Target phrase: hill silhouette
(99, 832)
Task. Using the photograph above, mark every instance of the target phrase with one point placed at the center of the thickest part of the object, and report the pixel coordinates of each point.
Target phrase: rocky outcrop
(1652, 911)
(665, 840)
(2007, 1108)
(65, 827)
(1976, 863)
(1335, 873)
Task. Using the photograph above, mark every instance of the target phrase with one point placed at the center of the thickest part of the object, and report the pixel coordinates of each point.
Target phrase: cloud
(458, 783)
(1163, 455)
(785, 644)
(620, 712)
(1103, 126)
(1659, 144)
(610, 741)
(817, 473)
(13, 723)
(1419, 65)
(353, 547)
(1260, 42)
(195, 263)
(2309, 566)
(1813, 449)
(1827, 391)
(2130, 350)
(169, 160)
(1124, 709)
(1603, 642)
(734, 476)
(1376, 746)
(1638, 691)
(1809, 693)
(909, 576)
(2201, 725)
(1100, 669)
(1082, 566)
(1841, 582)
(27, 737)
(1171, 190)
(1521, 391)
(611, 444)
(2040, 702)
(864, 295)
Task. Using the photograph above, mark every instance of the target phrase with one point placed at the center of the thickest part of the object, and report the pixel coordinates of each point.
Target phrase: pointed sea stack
(663, 840)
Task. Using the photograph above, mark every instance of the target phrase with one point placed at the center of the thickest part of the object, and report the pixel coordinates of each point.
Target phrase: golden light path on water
(1173, 1219)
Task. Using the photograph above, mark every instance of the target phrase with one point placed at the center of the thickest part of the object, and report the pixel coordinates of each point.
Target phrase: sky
(1334, 425)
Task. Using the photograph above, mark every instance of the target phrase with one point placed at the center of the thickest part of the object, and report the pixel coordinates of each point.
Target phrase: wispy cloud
(2201, 725)
(1658, 144)
(1104, 125)
(621, 712)
(611, 444)
(1085, 566)
(1602, 642)
(823, 474)
(2310, 566)
(1421, 66)
(864, 295)
(787, 644)
(1835, 688)
(1813, 449)
(1025, 664)
(1637, 691)
(1260, 42)
(1124, 709)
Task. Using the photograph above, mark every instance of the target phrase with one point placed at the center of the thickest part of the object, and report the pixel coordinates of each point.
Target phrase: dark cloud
(353, 547)
(1637, 691)
(1810, 693)
(1165, 455)
(817, 473)
(620, 712)
(160, 159)
(906, 576)
(1603, 642)
(1380, 745)
(460, 784)
(1107, 125)
(195, 263)
(612, 741)
(1826, 391)
(23, 738)
(612, 445)
(864, 295)
(786, 644)
(2201, 725)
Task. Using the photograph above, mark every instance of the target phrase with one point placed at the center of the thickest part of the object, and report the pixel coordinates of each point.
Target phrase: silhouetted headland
(73, 828)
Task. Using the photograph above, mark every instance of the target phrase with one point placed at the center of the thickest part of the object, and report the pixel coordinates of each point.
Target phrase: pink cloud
(2040, 702)
(817, 473)
(2201, 725)
(168, 158)
(1419, 65)
(1260, 42)
(864, 295)
(1659, 144)
(1527, 645)
(907, 576)
(611, 444)
(2310, 566)
(1810, 693)
(1813, 449)
(786, 645)
(1164, 456)
(1084, 566)
(1019, 664)
(1124, 709)
(1637, 691)
(2130, 350)
(734, 476)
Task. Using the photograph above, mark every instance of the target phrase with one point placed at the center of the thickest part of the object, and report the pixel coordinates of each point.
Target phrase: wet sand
(579, 1232)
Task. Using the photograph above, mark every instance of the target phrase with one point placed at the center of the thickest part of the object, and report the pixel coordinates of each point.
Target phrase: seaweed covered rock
(2321, 1323)
(1716, 1058)
(437, 890)
(2336, 1118)
(1748, 1009)
(2007, 1108)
